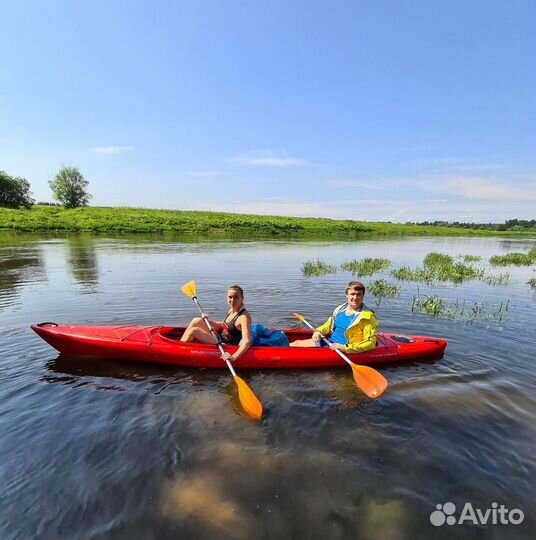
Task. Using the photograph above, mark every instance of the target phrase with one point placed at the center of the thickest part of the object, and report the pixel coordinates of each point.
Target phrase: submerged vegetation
(532, 283)
(470, 258)
(366, 267)
(383, 289)
(466, 312)
(438, 267)
(497, 279)
(514, 259)
(317, 267)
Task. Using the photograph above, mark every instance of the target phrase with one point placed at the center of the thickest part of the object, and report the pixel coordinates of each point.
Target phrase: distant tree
(15, 192)
(69, 188)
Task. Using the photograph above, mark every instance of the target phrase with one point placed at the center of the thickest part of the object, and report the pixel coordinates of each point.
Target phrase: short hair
(236, 288)
(355, 285)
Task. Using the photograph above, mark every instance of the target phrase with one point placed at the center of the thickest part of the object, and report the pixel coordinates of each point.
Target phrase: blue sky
(374, 110)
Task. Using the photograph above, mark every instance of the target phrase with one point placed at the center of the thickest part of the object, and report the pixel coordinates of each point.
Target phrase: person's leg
(303, 343)
(198, 331)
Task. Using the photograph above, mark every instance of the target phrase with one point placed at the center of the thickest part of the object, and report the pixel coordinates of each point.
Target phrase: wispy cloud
(267, 158)
(479, 188)
(372, 184)
(111, 150)
(454, 165)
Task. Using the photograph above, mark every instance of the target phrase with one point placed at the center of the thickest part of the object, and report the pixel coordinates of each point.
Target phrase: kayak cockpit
(174, 333)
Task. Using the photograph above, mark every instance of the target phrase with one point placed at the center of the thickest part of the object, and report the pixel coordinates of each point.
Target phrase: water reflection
(82, 261)
(151, 450)
(19, 266)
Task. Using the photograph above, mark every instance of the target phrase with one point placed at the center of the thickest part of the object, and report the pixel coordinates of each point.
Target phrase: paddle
(251, 405)
(370, 381)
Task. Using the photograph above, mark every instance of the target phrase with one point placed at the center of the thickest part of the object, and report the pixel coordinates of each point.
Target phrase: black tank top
(230, 334)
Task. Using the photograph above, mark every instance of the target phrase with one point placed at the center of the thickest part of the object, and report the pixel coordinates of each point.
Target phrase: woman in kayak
(352, 328)
(235, 329)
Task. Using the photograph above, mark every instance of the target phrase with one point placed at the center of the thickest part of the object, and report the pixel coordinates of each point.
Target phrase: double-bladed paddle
(251, 405)
(370, 381)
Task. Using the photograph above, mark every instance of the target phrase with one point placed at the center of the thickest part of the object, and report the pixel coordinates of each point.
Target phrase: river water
(97, 450)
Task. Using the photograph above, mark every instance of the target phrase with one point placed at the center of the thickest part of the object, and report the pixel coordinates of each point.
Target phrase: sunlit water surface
(97, 450)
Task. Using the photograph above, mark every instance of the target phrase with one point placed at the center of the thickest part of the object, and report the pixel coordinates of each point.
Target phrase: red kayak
(161, 345)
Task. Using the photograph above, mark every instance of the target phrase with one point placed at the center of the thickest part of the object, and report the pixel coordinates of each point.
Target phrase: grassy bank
(104, 219)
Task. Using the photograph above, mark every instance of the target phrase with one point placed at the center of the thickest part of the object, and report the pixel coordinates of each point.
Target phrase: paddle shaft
(326, 340)
(214, 335)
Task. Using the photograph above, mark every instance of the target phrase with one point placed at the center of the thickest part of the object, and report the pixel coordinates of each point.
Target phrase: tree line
(69, 188)
(508, 225)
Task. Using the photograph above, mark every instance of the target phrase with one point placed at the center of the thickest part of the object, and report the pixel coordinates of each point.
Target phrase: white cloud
(111, 150)
(373, 184)
(267, 158)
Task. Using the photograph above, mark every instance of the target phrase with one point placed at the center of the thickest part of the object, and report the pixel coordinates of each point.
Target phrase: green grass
(317, 267)
(120, 219)
(366, 267)
(514, 259)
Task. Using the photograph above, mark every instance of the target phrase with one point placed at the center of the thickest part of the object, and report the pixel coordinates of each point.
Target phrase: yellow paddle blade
(251, 405)
(371, 382)
(189, 289)
(298, 316)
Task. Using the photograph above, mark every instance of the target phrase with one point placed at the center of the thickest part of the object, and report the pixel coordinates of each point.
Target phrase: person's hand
(337, 347)
(226, 356)
(317, 336)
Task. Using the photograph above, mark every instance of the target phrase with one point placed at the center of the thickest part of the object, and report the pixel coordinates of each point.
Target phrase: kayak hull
(161, 345)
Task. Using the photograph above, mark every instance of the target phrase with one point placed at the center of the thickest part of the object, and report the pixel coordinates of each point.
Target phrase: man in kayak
(235, 329)
(352, 328)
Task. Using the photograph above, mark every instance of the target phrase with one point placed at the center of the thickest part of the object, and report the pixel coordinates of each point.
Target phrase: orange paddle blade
(371, 382)
(251, 405)
(189, 289)
(298, 316)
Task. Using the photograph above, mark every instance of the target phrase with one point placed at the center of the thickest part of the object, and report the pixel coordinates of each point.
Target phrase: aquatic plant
(432, 305)
(405, 273)
(366, 267)
(497, 279)
(515, 259)
(317, 267)
(532, 282)
(470, 258)
(437, 260)
(381, 288)
(437, 307)
(439, 267)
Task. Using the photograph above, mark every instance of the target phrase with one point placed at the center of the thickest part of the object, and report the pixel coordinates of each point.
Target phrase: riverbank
(140, 220)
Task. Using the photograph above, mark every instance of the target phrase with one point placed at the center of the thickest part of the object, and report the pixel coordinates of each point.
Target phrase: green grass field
(139, 220)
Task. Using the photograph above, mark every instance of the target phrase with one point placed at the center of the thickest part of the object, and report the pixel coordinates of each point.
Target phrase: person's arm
(370, 331)
(245, 343)
(323, 330)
